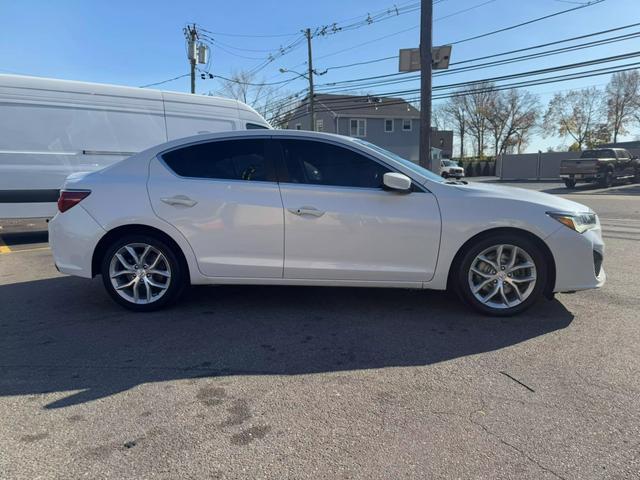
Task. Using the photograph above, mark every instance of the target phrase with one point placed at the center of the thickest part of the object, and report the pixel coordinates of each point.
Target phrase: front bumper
(73, 236)
(577, 257)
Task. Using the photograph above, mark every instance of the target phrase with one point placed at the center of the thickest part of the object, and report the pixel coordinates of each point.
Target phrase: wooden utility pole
(311, 99)
(426, 40)
(192, 37)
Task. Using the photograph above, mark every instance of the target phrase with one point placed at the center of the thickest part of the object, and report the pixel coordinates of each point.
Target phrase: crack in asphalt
(510, 445)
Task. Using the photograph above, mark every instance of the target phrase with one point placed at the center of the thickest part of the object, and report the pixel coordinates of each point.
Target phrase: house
(391, 123)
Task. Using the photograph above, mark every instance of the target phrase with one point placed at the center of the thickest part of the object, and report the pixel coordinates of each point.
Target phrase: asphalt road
(266, 382)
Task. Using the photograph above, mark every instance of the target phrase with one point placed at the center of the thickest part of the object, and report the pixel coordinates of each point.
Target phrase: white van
(51, 128)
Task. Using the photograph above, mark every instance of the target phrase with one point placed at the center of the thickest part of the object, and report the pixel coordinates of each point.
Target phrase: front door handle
(181, 200)
(306, 211)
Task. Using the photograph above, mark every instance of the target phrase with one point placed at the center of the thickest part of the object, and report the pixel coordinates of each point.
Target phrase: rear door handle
(181, 200)
(306, 211)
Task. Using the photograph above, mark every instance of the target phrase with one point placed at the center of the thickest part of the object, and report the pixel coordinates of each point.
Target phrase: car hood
(545, 200)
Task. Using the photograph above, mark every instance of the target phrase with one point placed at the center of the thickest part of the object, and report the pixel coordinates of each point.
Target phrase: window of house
(320, 125)
(388, 125)
(358, 127)
(227, 160)
(320, 163)
(406, 124)
(298, 126)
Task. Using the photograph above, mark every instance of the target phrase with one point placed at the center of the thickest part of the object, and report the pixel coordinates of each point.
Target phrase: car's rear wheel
(502, 275)
(142, 273)
(570, 183)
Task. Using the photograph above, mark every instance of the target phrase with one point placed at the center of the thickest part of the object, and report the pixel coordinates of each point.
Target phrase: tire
(570, 183)
(501, 280)
(444, 175)
(157, 285)
(607, 180)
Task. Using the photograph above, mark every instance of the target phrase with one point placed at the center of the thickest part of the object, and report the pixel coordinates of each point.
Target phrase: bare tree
(456, 116)
(623, 101)
(574, 114)
(273, 104)
(512, 116)
(476, 100)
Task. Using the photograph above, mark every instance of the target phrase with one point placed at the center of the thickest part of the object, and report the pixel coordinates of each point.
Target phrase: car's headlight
(580, 222)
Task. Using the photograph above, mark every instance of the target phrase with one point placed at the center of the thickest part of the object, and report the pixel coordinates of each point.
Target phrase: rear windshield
(601, 153)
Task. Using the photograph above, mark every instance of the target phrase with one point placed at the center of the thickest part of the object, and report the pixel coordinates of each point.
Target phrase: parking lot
(284, 382)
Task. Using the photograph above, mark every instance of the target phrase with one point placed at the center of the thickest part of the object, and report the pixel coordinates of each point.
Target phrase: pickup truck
(602, 165)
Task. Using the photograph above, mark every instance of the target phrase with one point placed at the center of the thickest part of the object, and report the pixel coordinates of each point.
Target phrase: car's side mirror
(396, 181)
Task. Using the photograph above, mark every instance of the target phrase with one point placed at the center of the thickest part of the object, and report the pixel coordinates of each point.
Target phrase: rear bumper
(577, 258)
(73, 236)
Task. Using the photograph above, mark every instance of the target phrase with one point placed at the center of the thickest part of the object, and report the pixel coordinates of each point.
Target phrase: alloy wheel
(140, 273)
(502, 276)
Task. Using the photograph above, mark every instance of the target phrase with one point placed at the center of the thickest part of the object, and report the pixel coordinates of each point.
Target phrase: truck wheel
(569, 183)
(444, 175)
(607, 180)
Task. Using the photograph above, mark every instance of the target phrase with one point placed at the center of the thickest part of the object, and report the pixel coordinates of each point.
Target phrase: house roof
(366, 105)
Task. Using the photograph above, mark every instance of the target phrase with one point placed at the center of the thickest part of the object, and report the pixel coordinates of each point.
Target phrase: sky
(139, 42)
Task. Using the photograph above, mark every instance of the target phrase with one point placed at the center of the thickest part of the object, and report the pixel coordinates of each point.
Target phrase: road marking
(3, 247)
(25, 250)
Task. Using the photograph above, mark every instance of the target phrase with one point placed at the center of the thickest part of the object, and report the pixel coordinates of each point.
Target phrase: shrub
(478, 169)
(469, 170)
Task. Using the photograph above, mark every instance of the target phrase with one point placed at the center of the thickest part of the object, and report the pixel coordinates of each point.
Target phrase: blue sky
(141, 42)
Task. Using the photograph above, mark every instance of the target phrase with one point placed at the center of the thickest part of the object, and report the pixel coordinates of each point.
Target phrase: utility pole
(311, 100)
(426, 40)
(192, 36)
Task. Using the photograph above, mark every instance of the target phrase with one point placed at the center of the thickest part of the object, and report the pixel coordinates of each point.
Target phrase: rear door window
(241, 159)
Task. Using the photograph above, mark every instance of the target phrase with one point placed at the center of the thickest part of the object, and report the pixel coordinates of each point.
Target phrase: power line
(395, 57)
(362, 82)
(560, 78)
(459, 85)
(529, 22)
(165, 81)
(486, 34)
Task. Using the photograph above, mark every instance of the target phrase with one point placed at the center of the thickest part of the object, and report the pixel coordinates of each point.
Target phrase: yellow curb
(3, 247)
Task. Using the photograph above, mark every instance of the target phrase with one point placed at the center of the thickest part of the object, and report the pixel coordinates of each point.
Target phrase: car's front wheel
(142, 273)
(502, 274)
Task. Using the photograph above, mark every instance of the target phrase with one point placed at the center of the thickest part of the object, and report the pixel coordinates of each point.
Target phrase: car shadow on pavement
(63, 335)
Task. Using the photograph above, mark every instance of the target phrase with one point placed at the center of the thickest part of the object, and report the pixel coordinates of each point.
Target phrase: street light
(308, 76)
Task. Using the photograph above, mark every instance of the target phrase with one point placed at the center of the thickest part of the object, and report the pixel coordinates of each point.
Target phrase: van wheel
(502, 275)
(570, 183)
(142, 273)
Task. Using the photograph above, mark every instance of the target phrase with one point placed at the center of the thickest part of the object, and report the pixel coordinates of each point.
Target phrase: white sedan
(302, 208)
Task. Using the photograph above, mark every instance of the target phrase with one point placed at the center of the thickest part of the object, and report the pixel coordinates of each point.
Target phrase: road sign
(410, 58)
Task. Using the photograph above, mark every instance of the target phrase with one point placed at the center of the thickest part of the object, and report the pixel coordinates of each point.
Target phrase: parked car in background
(449, 168)
(602, 165)
(51, 128)
(285, 207)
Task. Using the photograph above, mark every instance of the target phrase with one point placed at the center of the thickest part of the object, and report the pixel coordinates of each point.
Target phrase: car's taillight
(70, 198)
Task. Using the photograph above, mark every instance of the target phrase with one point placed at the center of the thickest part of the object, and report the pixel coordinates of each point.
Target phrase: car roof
(257, 133)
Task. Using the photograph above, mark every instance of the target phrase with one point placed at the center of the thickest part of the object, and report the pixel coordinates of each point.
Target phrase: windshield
(449, 163)
(605, 153)
(414, 167)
